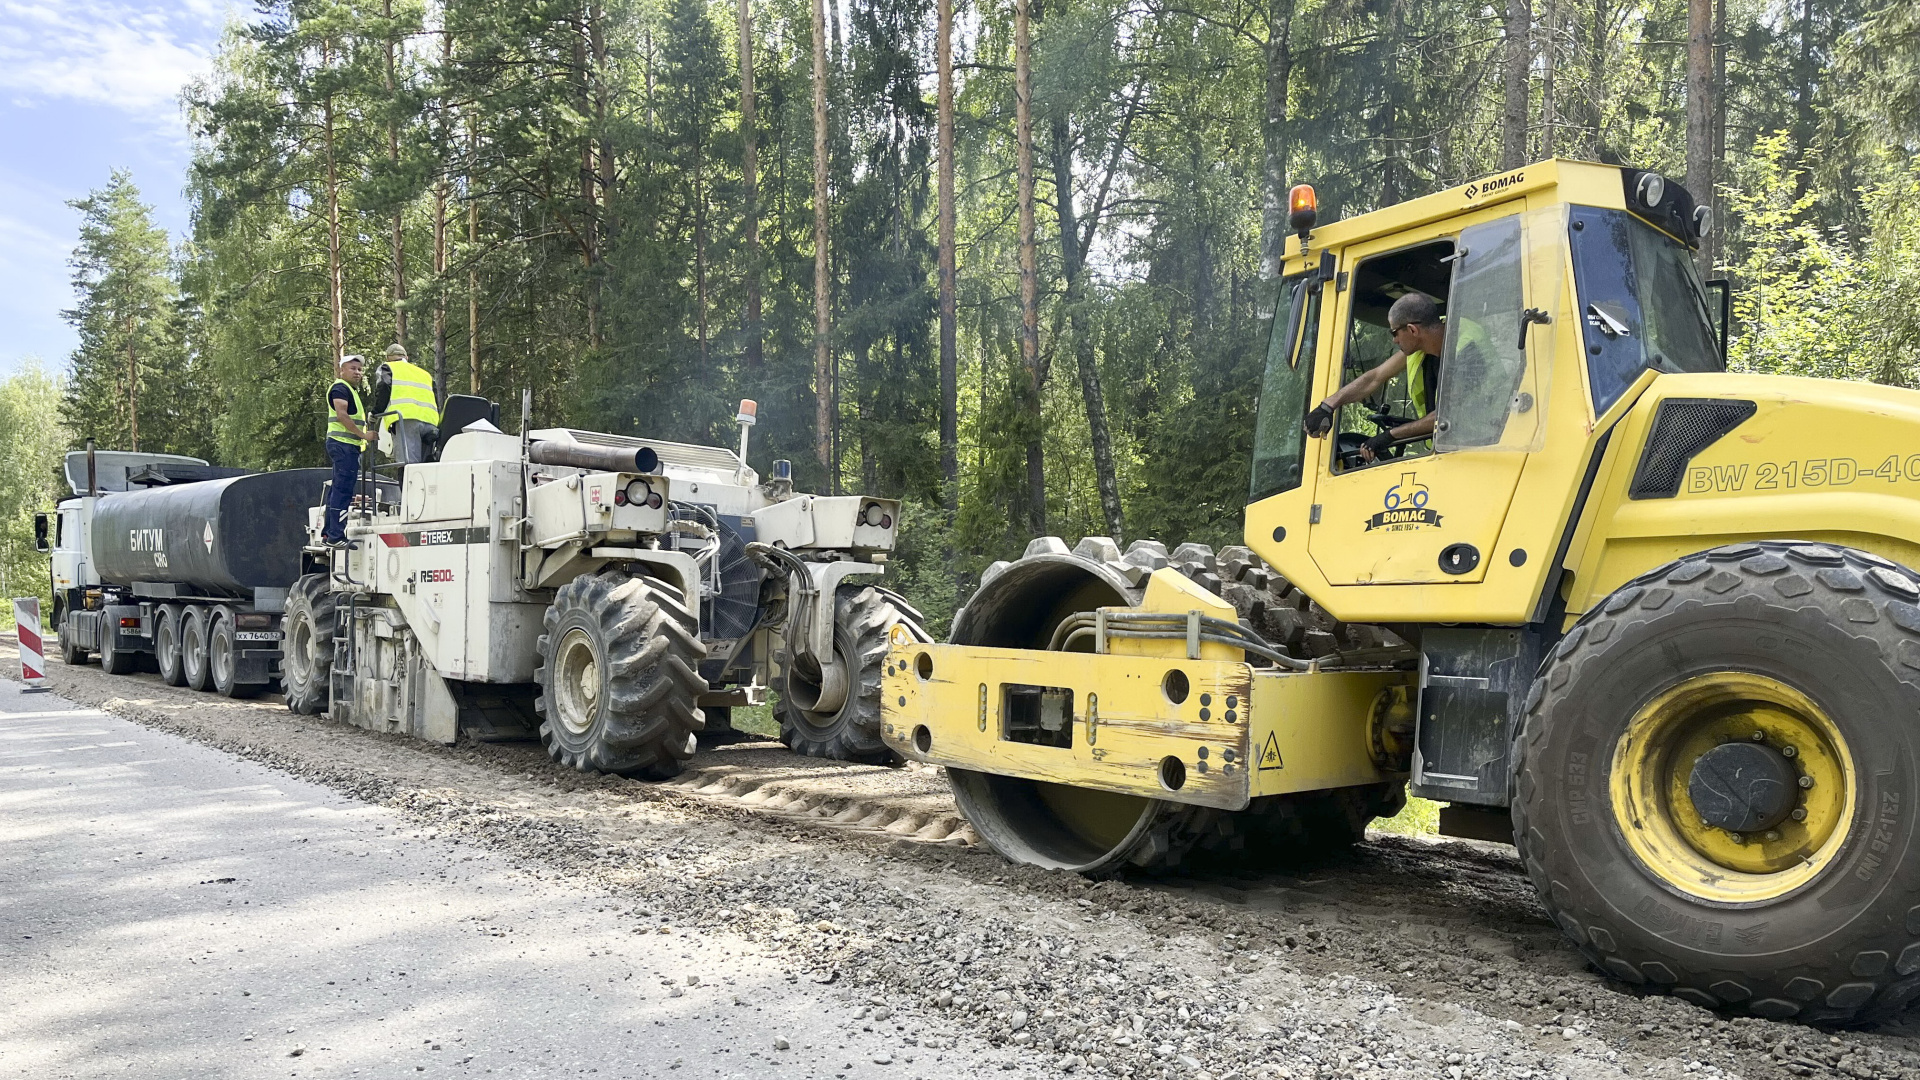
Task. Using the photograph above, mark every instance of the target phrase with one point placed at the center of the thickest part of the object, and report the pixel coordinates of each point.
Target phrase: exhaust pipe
(607, 458)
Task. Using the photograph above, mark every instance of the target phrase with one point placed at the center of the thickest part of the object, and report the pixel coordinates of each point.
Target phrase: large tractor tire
(1019, 604)
(306, 653)
(863, 616)
(166, 646)
(1717, 778)
(619, 677)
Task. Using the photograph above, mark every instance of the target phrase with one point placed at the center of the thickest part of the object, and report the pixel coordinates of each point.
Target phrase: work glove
(1376, 448)
(1320, 420)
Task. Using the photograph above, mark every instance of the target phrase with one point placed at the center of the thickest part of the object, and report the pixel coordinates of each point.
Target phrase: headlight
(1653, 188)
(638, 493)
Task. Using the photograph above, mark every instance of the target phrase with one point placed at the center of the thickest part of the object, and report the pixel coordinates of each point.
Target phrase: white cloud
(125, 54)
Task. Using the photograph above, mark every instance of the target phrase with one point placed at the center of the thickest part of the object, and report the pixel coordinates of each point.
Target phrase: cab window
(1642, 304)
(1485, 360)
(1377, 283)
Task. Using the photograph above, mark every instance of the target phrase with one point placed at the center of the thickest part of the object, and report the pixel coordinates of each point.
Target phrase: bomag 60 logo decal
(1406, 507)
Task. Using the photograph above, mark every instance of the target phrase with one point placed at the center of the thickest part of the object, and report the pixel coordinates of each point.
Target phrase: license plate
(256, 635)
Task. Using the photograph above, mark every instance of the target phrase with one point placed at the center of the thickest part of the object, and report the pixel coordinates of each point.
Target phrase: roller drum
(223, 537)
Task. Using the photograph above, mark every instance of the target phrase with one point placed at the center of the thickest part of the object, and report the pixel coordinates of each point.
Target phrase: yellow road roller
(1650, 621)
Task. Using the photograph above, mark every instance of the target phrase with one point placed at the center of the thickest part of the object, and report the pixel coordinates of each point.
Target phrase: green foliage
(1814, 301)
(132, 384)
(32, 443)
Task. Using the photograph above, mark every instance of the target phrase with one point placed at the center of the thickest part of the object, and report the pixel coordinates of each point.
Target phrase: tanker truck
(166, 563)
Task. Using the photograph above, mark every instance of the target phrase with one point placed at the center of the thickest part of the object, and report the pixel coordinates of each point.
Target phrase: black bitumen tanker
(220, 538)
(190, 578)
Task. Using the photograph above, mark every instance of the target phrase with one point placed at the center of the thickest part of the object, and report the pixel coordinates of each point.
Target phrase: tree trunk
(750, 185)
(1596, 83)
(440, 235)
(1073, 268)
(822, 368)
(1700, 107)
(133, 394)
(393, 160)
(335, 292)
(1029, 270)
(473, 268)
(700, 245)
(1549, 55)
(1713, 244)
(1386, 128)
(599, 180)
(1519, 68)
(1803, 124)
(949, 328)
(1273, 137)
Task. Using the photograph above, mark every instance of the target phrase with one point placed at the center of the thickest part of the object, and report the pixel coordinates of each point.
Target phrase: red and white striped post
(33, 661)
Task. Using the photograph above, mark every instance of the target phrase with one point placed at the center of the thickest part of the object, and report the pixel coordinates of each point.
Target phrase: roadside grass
(1420, 818)
(758, 719)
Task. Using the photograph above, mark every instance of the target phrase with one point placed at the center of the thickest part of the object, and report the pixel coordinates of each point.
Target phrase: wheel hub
(577, 682)
(1743, 787)
(1733, 787)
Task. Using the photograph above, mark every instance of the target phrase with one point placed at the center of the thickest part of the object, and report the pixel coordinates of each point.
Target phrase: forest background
(1004, 261)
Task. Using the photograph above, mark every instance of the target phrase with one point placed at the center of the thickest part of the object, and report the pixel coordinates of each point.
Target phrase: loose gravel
(1408, 958)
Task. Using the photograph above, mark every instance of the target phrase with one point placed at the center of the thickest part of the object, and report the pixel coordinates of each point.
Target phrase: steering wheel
(1347, 443)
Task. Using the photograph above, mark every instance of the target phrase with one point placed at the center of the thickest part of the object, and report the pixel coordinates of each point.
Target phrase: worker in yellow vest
(410, 411)
(346, 440)
(1419, 335)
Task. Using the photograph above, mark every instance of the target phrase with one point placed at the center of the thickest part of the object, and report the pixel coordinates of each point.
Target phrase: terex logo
(1495, 184)
(1406, 507)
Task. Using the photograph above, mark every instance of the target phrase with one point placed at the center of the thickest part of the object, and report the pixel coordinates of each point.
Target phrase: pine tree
(128, 373)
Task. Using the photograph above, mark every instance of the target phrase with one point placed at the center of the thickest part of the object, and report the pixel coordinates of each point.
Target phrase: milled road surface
(1407, 959)
(173, 911)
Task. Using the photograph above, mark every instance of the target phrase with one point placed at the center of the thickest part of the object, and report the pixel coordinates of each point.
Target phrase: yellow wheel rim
(1655, 763)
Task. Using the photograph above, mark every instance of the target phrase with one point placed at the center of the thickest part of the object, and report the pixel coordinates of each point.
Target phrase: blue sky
(86, 86)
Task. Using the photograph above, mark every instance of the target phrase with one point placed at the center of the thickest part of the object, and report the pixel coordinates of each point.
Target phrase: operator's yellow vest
(1417, 383)
(412, 393)
(338, 430)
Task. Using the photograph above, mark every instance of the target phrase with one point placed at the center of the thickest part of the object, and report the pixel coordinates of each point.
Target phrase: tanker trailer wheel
(306, 653)
(223, 660)
(166, 646)
(1716, 782)
(115, 661)
(193, 648)
(71, 654)
(849, 731)
(619, 677)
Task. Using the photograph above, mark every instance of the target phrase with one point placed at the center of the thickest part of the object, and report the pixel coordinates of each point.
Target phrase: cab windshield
(1280, 436)
(1642, 304)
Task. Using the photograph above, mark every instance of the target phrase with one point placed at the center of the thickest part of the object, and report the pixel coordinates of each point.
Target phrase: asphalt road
(170, 910)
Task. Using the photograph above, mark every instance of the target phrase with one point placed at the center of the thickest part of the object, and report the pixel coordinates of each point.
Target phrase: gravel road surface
(847, 889)
(174, 911)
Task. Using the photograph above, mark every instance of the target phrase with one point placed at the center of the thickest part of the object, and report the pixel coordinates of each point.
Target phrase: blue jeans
(346, 473)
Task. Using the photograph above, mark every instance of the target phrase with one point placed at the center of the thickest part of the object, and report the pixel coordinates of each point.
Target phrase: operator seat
(459, 411)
